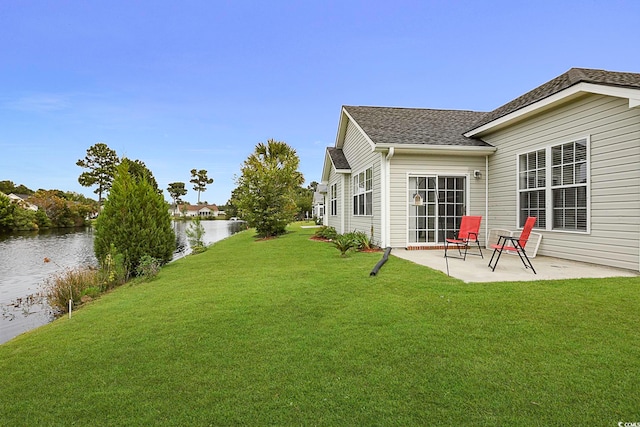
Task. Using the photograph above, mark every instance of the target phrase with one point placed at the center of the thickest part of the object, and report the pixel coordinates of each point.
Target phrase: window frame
(333, 199)
(440, 204)
(362, 187)
(551, 188)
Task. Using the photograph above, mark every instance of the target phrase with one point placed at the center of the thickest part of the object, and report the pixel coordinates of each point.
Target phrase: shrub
(70, 284)
(148, 268)
(24, 220)
(326, 232)
(361, 240)
(344, 242)
(7, 210)
(113, 271)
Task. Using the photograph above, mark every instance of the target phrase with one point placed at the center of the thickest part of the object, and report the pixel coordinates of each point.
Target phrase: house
(21, 200)
(199, 210)
(567, 152)
(318, 202)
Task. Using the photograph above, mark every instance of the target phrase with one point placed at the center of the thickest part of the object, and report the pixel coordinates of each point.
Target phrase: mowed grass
(287, 332)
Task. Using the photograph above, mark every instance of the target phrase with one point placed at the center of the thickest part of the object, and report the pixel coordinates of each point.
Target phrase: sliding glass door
(436, 205)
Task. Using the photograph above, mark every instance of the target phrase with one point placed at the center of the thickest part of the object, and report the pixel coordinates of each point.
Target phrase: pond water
(23, 269)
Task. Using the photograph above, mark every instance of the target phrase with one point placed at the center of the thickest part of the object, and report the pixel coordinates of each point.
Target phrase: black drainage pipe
(375, 270)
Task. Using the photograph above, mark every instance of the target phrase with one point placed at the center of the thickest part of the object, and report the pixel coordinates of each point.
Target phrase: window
(363, 193)
(569, 186)
(532, 187)
(333, 200)
(553, 184)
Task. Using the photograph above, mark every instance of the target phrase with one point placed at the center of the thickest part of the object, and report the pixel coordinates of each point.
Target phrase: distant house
(199, 210)
(318, 202)
(567, 152)
(21, 200)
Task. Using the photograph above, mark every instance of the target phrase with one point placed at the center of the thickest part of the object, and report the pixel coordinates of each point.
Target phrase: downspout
(325, 217)
(386, 208)
(486, 199)
(345, 198)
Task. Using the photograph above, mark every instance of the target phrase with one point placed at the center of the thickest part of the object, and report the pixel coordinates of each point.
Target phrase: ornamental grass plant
(287, 332)
(71, 284)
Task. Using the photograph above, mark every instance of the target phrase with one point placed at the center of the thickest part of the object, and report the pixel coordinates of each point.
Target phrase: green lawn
(286, 332)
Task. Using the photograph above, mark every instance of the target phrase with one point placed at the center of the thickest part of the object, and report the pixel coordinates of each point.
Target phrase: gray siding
(360, 155)
(404, 164)
(334, 221)
(614, 132)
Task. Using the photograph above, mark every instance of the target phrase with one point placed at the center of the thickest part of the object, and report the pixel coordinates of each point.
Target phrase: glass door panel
(431, 194)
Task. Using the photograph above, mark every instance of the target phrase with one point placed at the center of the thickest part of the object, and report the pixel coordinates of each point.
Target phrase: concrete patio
(510, 268)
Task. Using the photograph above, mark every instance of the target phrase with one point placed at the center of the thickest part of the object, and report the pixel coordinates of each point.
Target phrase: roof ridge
(564, 81)
(413, 108)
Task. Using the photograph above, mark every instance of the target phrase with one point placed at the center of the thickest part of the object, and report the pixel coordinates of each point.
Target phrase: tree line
(55, 208)
(269, 187)
(269, 196)
(135, 222)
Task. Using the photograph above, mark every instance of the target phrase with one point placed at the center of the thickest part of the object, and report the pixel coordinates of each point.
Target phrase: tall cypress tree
(136, 220)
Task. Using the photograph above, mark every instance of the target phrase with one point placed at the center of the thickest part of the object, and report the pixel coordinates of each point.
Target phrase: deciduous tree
(304, 202)
(60, 211)
(101, 162)
(265, 195)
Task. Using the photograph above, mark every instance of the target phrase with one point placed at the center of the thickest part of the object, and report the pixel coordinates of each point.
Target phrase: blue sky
(197, 84)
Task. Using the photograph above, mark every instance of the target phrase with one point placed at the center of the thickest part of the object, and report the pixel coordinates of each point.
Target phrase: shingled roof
(421, 126)
(338, 158)
(560, 83)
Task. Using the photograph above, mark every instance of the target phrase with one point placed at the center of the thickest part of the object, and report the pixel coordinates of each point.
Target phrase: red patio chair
(468, 233)
(514, 244)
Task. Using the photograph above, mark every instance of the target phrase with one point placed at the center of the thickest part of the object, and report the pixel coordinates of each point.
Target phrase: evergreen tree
(136, 220)
(7, 210)
(101, 162)
(200, 180)
(138, 170)
(8, 187)
(195, 234)
(176, 190)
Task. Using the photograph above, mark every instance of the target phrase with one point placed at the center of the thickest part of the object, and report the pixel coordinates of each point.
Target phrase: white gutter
(438, 149)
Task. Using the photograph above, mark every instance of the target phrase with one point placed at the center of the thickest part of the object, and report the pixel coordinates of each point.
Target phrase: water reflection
(23, 270)
(214, 231)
